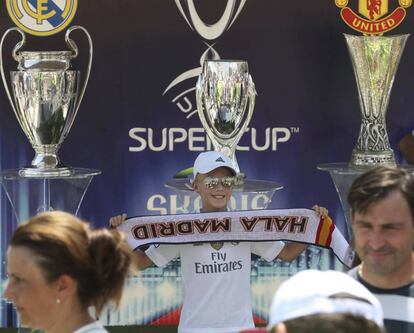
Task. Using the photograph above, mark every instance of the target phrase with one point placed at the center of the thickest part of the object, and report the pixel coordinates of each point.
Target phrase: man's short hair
(376, 184)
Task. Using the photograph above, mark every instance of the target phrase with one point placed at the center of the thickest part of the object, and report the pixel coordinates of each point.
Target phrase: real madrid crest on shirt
(373, 17)
(42, 17)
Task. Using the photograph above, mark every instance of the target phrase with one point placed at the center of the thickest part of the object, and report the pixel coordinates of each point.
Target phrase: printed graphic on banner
(208, 33)
(195, 139)
(42, 17)
(373, 17)
(214, 31)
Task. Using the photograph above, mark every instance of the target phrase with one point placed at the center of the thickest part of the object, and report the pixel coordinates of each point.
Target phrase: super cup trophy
(375, 61)
(223, 91)
(46, 98)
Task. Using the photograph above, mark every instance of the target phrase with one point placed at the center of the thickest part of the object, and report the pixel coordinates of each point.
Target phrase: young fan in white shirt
(216, 276)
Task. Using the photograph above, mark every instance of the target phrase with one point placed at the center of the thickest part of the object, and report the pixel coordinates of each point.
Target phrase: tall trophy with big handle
(375, 61)
(45, 95)
(225, 95)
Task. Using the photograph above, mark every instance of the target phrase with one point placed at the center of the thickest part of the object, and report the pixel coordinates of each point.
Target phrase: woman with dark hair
(58, 267)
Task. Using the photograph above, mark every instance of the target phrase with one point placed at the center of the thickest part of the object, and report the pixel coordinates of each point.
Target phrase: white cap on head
(210, 160)
(313, 292)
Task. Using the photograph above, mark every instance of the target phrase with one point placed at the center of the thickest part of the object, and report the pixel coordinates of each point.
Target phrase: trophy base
(246, 185)
(252, 194)
(364, 159)
(240, 177)
(45, 172)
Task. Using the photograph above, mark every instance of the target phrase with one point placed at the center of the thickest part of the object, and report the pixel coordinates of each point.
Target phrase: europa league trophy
(223, 91)
(375, 60)
(46, 98)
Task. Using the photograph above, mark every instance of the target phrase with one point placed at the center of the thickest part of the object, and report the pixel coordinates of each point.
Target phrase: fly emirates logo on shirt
(218, 264)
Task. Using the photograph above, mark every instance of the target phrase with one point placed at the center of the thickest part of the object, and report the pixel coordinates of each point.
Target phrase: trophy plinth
(45, 97)
(343, 175)
(29, 196)
(247, 195)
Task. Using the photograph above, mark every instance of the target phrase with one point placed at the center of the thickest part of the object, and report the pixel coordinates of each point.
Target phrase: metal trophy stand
(343, 175)
(31, 195)
(252, 194)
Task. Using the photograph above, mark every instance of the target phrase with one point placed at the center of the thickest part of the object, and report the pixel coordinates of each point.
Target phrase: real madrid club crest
(217, 245)
(42, 17)
(373, 17)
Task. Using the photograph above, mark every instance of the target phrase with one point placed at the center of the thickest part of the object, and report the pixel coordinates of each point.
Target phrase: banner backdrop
(138, 122)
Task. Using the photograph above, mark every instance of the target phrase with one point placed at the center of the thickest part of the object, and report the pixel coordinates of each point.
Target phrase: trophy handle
(201, 106)
(251, 93)
(16, 48)
(200, 110)
(74, 48)
(252, 100)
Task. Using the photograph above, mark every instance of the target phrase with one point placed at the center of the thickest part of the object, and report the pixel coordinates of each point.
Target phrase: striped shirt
(398, 305)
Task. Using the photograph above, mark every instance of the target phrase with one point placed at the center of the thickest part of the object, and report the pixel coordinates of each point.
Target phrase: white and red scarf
(297, 225)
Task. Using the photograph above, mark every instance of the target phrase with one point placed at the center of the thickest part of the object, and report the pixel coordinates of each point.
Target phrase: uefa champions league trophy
(46, 99)
(223, 91)
(375, 61)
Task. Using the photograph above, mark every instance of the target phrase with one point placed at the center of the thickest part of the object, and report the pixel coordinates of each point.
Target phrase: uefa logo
(214, 31)
(42, 17)
(208, 33)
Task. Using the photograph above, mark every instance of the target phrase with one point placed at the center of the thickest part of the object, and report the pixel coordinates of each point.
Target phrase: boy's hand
(115, 221)
(321, 211)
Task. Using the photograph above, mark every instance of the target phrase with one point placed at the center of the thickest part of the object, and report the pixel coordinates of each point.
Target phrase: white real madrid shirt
(94, 327)
(216, 283)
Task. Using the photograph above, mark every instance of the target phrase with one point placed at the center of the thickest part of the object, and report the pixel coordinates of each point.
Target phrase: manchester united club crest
(373, 17)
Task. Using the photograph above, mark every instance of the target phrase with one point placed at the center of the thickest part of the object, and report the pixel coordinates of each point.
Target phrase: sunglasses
(212, 182)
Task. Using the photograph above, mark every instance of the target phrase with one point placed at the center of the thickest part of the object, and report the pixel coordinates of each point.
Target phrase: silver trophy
(223, 91)
(375, 61)
(46, 96)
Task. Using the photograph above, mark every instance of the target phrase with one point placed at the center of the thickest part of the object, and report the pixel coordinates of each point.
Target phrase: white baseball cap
(313, 292)
(210, 160)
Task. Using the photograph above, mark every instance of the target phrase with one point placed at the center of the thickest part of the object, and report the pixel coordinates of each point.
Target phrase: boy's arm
(141, 260)
(292, 250)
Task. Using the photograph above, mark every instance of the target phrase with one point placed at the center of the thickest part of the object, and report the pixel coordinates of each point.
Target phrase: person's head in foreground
(324, 302)
(214, 178)
(58, 267)
(382, 210)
